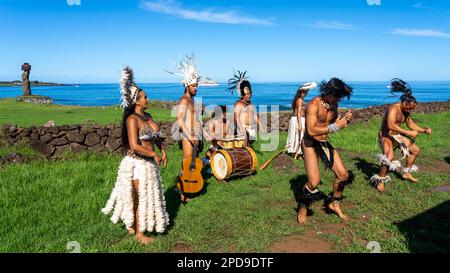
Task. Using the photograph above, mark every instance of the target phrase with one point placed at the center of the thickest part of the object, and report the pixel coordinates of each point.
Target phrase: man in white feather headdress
(189, 112)
(245, 116)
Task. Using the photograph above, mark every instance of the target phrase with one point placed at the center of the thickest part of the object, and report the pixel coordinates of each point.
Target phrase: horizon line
(225, 83)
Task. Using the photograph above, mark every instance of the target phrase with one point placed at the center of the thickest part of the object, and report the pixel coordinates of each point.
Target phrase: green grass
(47, 204)
(28, 114)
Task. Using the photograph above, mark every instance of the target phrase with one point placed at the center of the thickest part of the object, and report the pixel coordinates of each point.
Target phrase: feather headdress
(239, 82)
(308, 86)
(188, 70)
(400, 86)
(128, 89)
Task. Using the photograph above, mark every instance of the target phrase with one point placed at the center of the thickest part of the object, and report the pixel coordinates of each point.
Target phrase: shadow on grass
(447, 159)
(369, 169)
(428, 231)
(173, 201)
(297, 185)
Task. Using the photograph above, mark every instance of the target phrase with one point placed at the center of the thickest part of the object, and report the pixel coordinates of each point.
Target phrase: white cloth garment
(152, 204)
(293, 143)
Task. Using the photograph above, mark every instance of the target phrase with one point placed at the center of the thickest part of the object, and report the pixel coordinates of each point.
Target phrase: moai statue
(26, 86)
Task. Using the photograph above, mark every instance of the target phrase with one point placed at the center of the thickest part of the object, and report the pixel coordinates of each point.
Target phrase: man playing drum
(245, 115)
(217, 130)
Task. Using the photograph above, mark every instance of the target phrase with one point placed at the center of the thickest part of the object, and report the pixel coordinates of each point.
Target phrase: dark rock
(11, 140)
(59, 151)
(99, 148)
(58, 141)
(42, 147)
(54, 130)
(75, 137)
(5, 127)
(27, 131)
(77, 148)
(60, 134)
(46, 138)
(117, 133)
(74, 127)
(34, 136)
(112, 144)
(86, 129)
(103, 140)
(102, 132)
(14, 134)
(64, 127)
(92, 139)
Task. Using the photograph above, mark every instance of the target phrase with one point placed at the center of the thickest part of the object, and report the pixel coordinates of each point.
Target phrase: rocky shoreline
(53, 141)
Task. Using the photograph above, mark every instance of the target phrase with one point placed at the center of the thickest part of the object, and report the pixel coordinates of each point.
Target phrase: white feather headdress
(308, 86)
(188, 70)
(128, 89)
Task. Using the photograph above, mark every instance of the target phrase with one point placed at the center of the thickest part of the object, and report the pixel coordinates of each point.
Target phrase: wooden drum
(232, 163)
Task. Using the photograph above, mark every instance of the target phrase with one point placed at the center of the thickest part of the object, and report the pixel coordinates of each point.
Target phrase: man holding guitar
(190, 180)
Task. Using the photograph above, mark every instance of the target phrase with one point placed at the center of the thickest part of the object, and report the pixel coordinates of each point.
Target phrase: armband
(333, 128)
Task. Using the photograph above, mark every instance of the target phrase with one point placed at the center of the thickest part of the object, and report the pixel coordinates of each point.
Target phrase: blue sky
(279, 40)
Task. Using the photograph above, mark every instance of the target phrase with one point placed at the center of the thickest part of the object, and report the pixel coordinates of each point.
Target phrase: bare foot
(336, 208)
(380, 187)
(145, 240)
(131, 231)
(409, 177)
(302, 215)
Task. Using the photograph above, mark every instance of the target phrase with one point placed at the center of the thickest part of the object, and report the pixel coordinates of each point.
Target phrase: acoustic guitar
(191, 180)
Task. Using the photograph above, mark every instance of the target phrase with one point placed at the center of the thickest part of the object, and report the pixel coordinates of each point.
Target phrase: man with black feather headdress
(245, 117)
(321, 120)
(392, 136)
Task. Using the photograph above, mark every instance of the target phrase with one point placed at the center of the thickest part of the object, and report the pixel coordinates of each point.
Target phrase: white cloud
(373, 2)
(420, 6)
(172, 7)
(420, 32)
(73, 2)
(332, 25)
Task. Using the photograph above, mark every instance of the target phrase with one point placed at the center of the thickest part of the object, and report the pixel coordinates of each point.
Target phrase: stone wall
(35, 99)
(52, 142)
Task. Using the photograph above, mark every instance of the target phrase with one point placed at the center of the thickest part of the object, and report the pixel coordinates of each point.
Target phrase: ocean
(364, 93)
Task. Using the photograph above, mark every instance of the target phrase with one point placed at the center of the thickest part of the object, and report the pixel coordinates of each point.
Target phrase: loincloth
(324, 150)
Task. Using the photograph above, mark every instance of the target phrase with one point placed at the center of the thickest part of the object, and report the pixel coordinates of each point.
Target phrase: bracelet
(333, 128)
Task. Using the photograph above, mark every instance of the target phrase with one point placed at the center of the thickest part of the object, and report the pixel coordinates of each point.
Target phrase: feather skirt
(151, 205)
(294, 140)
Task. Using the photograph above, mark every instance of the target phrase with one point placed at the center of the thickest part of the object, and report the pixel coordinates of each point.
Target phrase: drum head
(219, 166)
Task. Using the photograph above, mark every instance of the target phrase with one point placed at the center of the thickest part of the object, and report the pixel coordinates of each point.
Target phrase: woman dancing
(137, 198)
(297, 121)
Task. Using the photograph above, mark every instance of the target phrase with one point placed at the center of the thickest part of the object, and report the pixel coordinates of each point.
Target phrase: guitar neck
(194, 157)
